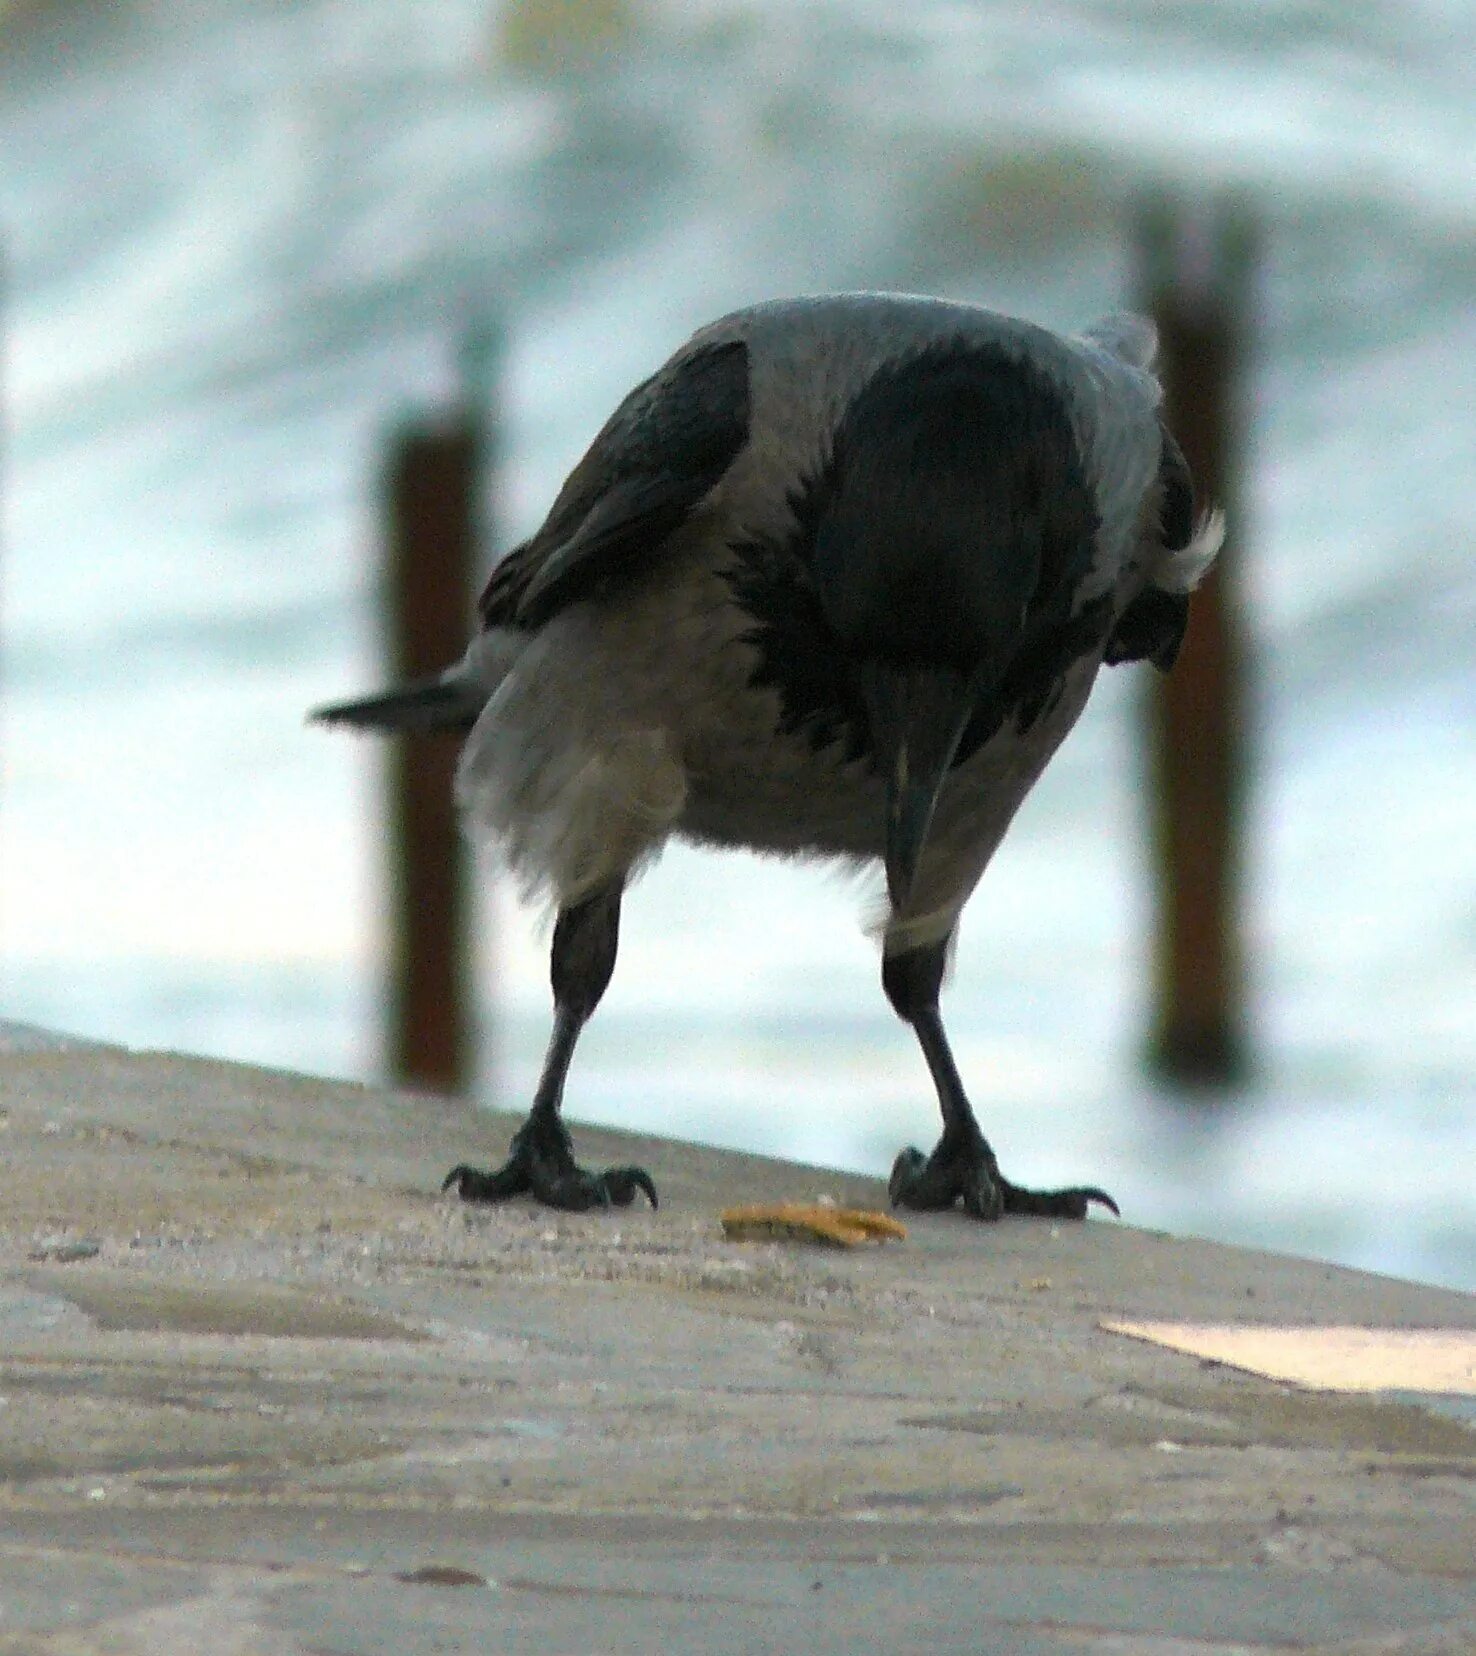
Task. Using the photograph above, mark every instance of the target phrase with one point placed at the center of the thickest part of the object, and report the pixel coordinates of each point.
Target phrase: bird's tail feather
(440, 703)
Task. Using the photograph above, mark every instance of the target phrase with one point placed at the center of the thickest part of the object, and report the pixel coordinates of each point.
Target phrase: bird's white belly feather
(622, 723)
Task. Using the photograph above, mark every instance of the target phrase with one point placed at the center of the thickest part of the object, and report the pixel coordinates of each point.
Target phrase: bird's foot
(968, 1173)
(542, 1164)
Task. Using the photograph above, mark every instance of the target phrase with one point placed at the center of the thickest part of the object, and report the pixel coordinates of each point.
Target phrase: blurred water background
(241, 241)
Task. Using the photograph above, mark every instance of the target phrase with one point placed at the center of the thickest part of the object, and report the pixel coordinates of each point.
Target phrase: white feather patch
(1129, 337)
(1183, 570)
(567, 819)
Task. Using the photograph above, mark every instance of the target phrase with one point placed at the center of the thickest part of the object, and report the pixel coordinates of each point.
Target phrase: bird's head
(954, 495)
(955, 504)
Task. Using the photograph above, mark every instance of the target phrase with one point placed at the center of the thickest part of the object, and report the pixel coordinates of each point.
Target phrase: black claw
(474, 1185)
(905, 1174)
(622, 1183)
(1073, 1203)
(936, 1183)
(571, 1188)
(543, 1164)
(969, 1175)
(982, 1196)
(570, 1194)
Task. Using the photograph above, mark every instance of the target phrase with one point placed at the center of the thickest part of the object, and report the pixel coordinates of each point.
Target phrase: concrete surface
(264, 1391)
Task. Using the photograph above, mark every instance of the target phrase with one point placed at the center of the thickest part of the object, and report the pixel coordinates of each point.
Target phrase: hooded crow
(835, 581)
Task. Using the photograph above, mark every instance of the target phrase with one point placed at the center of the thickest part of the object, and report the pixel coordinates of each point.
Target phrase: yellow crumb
(817, 1222)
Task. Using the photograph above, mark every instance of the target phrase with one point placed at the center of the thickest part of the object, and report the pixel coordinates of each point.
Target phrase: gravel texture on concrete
(264, 1390)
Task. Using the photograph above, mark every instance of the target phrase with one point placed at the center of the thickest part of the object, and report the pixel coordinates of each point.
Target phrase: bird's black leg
(542, 1158)
(963, 1167)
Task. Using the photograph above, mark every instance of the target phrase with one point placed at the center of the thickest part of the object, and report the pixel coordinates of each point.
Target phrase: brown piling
(1196, 278)
(431, 492)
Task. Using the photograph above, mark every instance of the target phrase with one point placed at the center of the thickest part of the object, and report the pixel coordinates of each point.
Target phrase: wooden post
(1197, 267)
(432, 491)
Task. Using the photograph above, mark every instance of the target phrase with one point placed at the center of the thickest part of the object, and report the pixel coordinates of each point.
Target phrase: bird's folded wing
(665, 448)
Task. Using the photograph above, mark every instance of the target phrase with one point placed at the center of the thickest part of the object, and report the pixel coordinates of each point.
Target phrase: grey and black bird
(835, 581)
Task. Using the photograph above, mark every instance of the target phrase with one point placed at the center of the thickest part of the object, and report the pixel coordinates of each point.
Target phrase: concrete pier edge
(264, 1389)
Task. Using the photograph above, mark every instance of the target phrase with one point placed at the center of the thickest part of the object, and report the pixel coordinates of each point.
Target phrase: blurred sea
(242, 241)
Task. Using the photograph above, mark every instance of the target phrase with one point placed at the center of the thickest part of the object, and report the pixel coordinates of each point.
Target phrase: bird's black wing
(662, 450)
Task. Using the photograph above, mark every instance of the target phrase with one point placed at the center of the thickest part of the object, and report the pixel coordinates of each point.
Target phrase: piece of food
(813, 1222)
